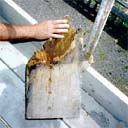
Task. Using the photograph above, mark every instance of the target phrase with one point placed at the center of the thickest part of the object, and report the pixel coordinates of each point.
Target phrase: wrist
(31, 31)
(24, 32)
(38, 31)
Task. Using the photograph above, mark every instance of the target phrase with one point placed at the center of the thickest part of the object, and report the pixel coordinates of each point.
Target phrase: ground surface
(110, 59)
(12, 96)
(12, 89)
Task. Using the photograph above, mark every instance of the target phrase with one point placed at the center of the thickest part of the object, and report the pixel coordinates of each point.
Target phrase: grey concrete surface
(98, 117)
(110, 59)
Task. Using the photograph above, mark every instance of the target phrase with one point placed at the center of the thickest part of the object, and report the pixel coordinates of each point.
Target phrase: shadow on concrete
(84, 8)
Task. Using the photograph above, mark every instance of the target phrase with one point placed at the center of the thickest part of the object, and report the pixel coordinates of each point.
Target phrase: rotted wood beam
(100, 21)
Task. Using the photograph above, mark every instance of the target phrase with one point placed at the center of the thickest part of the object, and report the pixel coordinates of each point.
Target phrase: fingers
(57, 36)
(60, 30)
(59, 26)
(60, 21)
(62, 26)
(56, 27)
(57, 31)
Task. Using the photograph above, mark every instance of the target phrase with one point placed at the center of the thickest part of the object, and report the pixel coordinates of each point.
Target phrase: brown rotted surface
(54, 50)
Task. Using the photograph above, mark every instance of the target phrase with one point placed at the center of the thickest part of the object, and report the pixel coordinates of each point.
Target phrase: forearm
(11, 32)
(42, 30)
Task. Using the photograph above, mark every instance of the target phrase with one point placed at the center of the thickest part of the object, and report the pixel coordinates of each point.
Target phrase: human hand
(50, 29)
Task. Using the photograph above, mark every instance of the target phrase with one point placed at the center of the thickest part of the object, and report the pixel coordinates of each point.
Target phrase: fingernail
(66, 30)
(65, 21)
(67, 25)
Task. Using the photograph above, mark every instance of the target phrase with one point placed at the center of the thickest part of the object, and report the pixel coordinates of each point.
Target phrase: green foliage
(84, 45)
(102, 55)
(125, 24)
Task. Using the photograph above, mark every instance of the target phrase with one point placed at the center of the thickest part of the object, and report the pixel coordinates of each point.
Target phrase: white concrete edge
(104, 92)
(13, 8)
(108, 85)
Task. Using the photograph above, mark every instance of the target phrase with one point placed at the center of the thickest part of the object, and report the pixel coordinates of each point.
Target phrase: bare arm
(42, 30)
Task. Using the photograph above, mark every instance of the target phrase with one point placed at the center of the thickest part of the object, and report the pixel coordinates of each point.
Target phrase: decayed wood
(52, 90)
(55, 92)
(103, 13)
